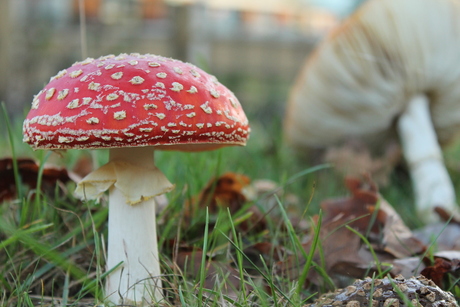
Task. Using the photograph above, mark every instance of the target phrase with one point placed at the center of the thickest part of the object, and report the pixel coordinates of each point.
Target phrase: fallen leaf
(437, 271)
(28, 170)
(446, 216)
(353, 210)
(226, 191)
(397, 239)
(343, 252)
(388, 232)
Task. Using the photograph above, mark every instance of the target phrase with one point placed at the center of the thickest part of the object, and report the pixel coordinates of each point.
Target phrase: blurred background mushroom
(388, 73)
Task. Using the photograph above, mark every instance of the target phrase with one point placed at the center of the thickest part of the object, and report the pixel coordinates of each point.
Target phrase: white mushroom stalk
(132, 180)
(430, 179)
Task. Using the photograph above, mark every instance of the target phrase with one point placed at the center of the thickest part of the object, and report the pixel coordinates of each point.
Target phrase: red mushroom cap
(135, 100)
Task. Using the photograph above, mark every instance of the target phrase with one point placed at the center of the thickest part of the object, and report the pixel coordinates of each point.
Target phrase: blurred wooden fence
(258, 69)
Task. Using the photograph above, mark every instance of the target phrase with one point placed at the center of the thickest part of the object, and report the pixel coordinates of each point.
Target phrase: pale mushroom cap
(135, 100)
(360, 79)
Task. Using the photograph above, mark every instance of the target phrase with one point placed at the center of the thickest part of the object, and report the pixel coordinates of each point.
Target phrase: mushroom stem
(431, 182)
(133, 240)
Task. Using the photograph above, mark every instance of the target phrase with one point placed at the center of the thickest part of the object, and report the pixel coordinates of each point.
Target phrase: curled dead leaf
(343, 252)
(440, 268)
(226, 191)
(446, 216)
(28, 170)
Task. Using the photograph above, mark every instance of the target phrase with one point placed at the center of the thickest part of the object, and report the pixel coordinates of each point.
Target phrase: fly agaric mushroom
(389, 67)
(133, 104)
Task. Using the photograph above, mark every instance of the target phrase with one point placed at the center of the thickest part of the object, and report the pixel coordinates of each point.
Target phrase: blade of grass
(181, 296)
(39, 179)
(239, 257)
(400, 293)
(296, 176)
(17, 177)
(309, 262)
(372, 251)
(264, 275)
(271, 283)
(452, 286)
(435, 239)
(261, 294)
(99, 256)
(88, 288)
(373, 217)
(309, 200)
(203, 260)
(227, 298)
(43, 250)
(298, 246)
(320, 268)
(97, 219)
(65, 291)
(16, 237)
(306, 172)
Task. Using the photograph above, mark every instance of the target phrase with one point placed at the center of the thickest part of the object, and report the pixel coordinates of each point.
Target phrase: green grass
(52, 245)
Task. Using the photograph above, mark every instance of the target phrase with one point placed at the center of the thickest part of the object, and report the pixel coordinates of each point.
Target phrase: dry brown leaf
(397, 239)
(446, 216)
(355, 207)
(441, 267)
(388, 233)
(226, 192)
(343, 251)
(28, 171)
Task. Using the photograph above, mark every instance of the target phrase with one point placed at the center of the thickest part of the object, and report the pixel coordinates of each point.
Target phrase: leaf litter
(390, 246)
(361, 234)
(28, 170)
